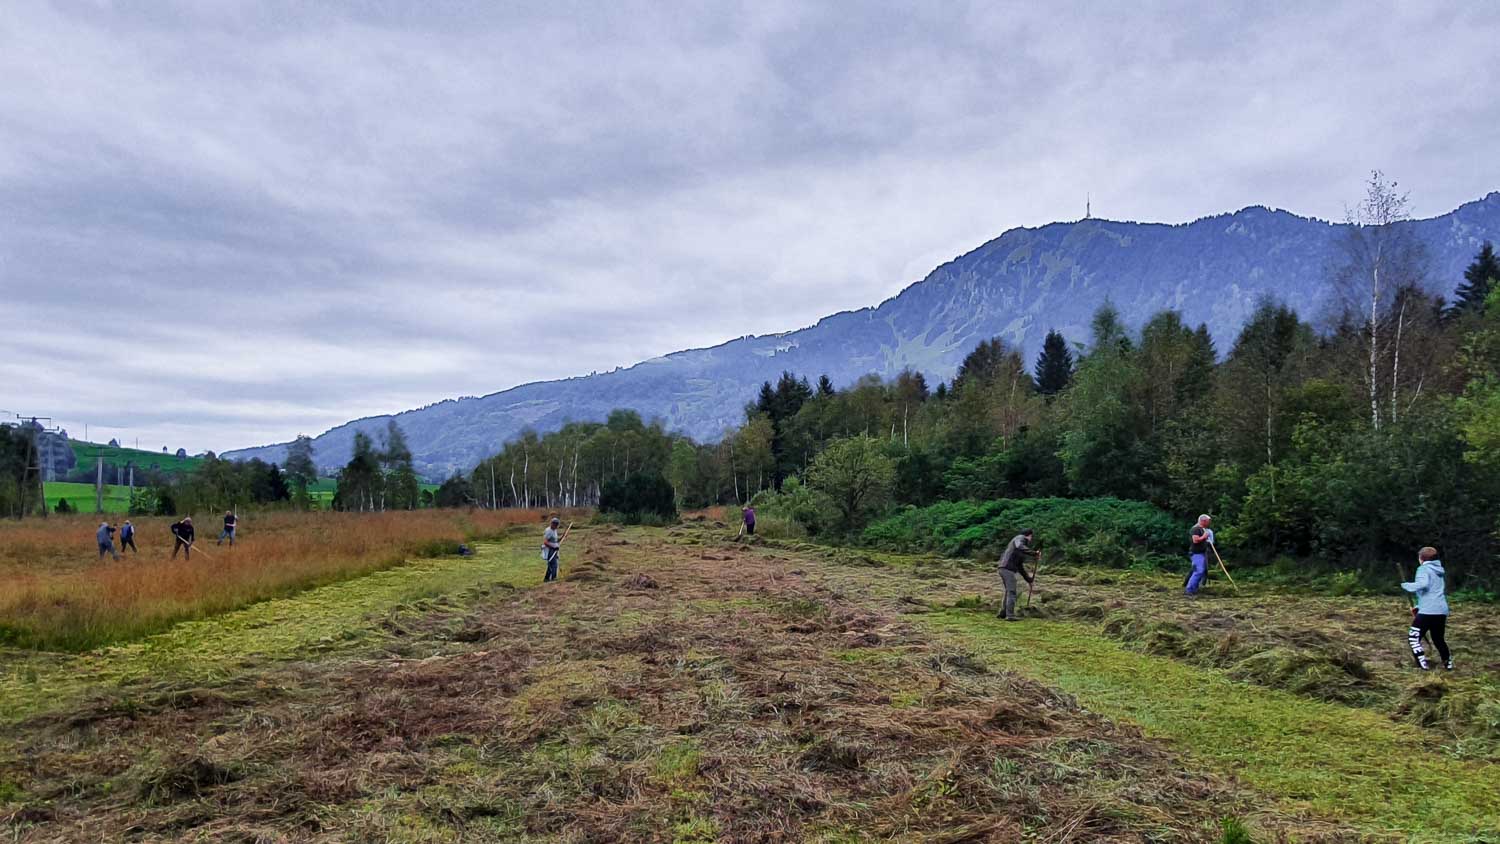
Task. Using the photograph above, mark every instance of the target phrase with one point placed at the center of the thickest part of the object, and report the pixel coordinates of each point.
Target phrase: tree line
(1345, 436)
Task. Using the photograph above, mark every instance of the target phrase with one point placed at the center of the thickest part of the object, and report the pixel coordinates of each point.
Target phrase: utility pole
(33, 463)
(99, 485)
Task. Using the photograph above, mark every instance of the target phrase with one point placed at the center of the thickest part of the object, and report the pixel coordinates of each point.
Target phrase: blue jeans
(551, 566)
(1200, 571)
(229, 532)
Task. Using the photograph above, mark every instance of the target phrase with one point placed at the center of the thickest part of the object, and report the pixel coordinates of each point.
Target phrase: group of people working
(1429, 612)
(182, 536)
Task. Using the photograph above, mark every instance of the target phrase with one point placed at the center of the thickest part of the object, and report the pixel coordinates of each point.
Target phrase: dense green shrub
(799, 508)
(1099, 531)
(639, 498)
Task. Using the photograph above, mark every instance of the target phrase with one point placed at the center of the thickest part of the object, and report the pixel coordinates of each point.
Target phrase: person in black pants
(127, 537)
(1431, 616)
(182, 537)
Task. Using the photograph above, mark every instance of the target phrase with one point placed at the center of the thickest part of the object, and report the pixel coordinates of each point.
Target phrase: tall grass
(56, 594)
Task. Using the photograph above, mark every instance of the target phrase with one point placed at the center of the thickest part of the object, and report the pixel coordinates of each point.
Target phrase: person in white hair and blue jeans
(1199, 538)
(1431, 617)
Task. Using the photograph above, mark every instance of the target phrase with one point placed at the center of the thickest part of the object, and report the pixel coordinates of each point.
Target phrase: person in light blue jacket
(1431, 618)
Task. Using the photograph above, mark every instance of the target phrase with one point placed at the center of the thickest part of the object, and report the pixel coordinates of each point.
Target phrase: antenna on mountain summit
(1088, 207)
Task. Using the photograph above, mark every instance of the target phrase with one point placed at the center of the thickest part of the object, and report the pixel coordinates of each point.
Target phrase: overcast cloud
(222, 224)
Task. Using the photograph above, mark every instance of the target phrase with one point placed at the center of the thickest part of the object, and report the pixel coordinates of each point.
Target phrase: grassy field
(678, 685)
(56, 593)
(322, 490)
(117, 498)
(81, 497)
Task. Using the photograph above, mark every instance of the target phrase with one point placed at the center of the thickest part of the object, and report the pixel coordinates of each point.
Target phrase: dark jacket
(183, 531)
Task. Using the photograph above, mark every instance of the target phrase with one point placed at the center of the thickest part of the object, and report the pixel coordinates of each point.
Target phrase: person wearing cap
(1199, 540)
(1011, 564)
(182, 537)
(551, 547)
(106, 537)
(747, 515)
(127, 538)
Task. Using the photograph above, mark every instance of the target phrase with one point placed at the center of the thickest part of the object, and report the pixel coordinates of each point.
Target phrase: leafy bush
(1097, 531)
(779, 527)
(798, 507)
(638, 498)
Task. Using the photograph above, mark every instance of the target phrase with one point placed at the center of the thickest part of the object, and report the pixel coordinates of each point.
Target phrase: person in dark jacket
(748, 516)
(182, 537)
(106, 537)
(127, 537)
(1012, 563)
(230, 521)
(1431, 618)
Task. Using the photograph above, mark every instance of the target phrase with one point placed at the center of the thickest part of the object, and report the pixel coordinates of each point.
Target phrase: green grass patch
(678, 762)
(81, 497)
(1321, 757)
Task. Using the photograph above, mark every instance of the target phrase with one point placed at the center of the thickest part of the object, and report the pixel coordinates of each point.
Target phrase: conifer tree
(1480, 278)
(1054, 366)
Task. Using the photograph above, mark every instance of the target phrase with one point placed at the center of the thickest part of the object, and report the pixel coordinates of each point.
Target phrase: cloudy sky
(222, 224)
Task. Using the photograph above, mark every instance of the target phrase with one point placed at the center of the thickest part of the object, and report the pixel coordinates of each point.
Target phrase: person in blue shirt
(1431, 618)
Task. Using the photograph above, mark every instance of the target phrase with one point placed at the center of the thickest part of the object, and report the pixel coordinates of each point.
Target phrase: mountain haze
(1017, 286)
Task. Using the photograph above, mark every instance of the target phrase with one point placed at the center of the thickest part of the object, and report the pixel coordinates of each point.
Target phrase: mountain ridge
(1017, 285)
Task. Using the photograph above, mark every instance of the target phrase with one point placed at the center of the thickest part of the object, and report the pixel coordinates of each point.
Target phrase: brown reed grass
(56, 594)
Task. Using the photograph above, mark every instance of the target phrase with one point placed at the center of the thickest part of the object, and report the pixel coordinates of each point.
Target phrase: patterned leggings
(1434, 626)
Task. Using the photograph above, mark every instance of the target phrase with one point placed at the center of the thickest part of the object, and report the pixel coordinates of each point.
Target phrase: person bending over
(182, 537)
(1012, 564)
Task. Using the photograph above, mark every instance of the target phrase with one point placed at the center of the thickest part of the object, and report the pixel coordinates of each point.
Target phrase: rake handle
(1223, 567)
(1031, 587)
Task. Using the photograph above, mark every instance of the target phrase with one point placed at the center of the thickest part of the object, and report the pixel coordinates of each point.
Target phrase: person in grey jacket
(1431, 617)
(106, 536)
(1012, 563)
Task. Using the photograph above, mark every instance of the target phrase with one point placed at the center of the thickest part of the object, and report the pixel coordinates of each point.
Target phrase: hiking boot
(1448, 665)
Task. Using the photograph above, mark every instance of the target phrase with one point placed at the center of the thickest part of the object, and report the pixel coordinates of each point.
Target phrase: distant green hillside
(87, 453)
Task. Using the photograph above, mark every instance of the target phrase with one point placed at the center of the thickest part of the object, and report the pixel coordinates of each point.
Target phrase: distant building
(54, 455)
(181, 452)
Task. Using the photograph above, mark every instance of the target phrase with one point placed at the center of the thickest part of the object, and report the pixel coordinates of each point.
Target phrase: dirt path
(663, 691)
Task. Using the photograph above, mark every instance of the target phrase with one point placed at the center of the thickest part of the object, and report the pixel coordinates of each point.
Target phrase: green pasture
(81, 497)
